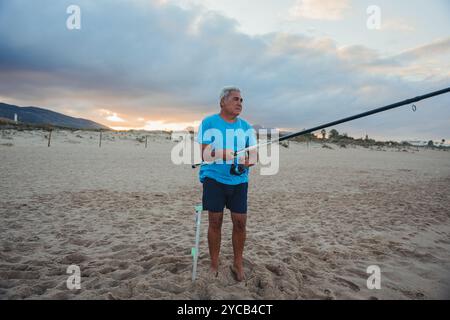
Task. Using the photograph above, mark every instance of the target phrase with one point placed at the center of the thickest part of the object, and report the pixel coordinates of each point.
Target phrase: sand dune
(125, 215)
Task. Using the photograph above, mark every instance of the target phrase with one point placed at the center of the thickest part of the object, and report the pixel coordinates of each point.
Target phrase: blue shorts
(217, 196)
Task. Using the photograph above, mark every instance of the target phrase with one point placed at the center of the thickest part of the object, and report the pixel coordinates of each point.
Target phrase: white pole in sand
(194, 251)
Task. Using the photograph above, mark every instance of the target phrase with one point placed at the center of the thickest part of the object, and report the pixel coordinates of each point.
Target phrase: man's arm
(250, 158)
(209, 154)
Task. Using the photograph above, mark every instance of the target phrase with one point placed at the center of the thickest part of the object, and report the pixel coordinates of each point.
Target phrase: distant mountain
(40, 116)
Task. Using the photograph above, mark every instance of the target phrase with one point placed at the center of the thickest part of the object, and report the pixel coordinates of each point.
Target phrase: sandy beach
(124, 214)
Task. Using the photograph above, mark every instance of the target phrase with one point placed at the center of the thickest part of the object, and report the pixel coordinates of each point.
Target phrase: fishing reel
(237, 169)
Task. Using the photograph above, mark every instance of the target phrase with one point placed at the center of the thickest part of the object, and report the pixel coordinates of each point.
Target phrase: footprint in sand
(348, 283)
(276, 269)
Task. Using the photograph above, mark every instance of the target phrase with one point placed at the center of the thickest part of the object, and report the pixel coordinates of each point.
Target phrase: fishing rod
(333, 123)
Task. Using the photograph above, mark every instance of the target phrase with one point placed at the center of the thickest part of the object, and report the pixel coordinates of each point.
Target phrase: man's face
(232, 104)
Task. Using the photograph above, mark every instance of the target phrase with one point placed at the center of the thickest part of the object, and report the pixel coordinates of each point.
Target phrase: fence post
(49, 137)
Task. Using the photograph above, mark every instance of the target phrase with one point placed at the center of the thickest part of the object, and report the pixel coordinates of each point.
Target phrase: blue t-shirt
(224, 135)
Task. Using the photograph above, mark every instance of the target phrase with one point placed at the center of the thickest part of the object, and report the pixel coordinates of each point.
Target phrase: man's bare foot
(214, 271)
(238, 273)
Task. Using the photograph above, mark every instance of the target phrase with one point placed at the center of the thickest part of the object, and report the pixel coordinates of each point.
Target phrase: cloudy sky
(158, 64)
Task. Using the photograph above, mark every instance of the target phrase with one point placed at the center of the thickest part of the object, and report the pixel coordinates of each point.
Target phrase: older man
(225, 178)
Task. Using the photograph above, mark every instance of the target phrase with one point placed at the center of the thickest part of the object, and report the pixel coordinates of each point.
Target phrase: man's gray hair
(226, 91)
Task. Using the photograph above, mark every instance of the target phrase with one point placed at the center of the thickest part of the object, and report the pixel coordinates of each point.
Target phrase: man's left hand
(245, 161)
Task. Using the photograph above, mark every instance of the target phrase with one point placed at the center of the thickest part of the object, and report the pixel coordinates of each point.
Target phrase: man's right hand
(213, 155)
(228, 154)
(224, 154)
